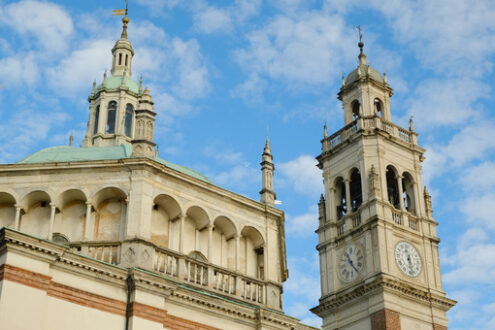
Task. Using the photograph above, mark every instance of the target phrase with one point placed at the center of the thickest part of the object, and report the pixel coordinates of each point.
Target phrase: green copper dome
(73, 154)
(114, 82)
(365, 71)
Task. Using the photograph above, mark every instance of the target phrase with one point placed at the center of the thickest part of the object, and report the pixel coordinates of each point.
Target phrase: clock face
(351, 263)
(408, 259)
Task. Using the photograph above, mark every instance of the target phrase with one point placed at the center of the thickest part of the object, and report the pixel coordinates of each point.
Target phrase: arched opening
(126, 57)
(251, 254)
(356, 190)
(36, 220)
(340, 198)
(378, 106)
(392, 187)
(355, 109)
(129, 113)
(110, 205)
(120, 58)
(71, 220)
(223, 243)
(112, 112)
(165, 228)
(195, 233)
(7, 210)
(97, 119)
(408, 193)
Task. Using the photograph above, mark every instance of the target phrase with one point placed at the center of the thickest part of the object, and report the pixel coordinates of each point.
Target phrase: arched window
(97, 119)
(126, 56)
(112, 111)
(129, 113)
(355, 109)
(378, 107)
(340, 200)
(120, 58)
(356, 191)
(392, 187)
(408, 193)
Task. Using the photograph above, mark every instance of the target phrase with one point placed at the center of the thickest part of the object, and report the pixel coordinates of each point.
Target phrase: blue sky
(220, 72)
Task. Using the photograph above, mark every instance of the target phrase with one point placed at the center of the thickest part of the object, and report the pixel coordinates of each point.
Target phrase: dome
(65, 154)
(114, 82)
(365, 71)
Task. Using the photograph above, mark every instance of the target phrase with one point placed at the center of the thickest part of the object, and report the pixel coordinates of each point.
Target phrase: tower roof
(363, 69)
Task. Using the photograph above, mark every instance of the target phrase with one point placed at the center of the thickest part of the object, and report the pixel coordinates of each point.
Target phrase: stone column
(181, 233)
(401, 193)
(88, 219)
(348, 196)
(210, 242)
(52, 219)
(331, 205)
(17, 217)
(237, 238)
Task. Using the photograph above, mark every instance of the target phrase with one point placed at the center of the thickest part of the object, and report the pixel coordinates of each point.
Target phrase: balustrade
(166, 263)
(356, 219)
(396, 216)
(369, 122)
(108, 252)
(252, 290)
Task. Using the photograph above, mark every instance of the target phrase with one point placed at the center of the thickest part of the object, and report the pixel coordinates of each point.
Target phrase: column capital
(52, 205)
(210, 226)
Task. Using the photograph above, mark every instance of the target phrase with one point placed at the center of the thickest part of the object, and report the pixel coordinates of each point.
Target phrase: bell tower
(377, 240)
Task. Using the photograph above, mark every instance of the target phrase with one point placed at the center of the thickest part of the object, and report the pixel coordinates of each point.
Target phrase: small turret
(122, 53)
(267, 168)
(142, 144)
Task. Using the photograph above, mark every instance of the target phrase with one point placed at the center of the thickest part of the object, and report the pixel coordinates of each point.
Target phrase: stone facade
(377, 240)
(110, 236)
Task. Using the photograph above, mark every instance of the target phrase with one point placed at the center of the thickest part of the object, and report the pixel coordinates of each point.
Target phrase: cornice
(379, 284)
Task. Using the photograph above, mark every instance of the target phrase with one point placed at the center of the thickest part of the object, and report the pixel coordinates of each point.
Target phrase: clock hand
(351, 263)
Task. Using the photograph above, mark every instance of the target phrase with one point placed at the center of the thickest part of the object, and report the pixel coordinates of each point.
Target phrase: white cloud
(48, 23)
(445, 102)
(76, 72)
(303, 175)
(309, 49)
(303, 225)
(251, 90)
(19, 69)
(211, 20)
(479, 178)
(25, 129)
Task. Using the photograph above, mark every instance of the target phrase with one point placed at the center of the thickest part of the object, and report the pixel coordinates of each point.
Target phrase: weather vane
(119, 12)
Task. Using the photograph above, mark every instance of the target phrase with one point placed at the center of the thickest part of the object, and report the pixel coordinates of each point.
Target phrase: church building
(110, 236)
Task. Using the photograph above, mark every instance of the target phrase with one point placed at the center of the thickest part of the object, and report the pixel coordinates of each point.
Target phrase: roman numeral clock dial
(408, 259)
(351, 263)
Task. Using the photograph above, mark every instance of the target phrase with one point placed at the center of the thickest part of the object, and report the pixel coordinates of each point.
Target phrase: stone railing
(184, 268)
(404, 218)
(352, 220)
(367, 122)
(205, 275)
(108, 252)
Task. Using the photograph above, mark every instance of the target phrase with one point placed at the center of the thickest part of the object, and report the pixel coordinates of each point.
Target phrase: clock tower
(377, 243)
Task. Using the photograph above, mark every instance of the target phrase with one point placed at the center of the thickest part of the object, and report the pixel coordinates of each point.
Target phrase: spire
(122, 51)
(267, 168)
(125, 21)
(325, 131)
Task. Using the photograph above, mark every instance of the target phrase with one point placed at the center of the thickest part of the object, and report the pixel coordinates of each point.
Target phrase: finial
(105, 78)
(325, 132)
(157, 151)
(141, 84)
(343, 80)
(94, 87)
(362, 56)
(71, 139)
(385, 77)
(360, 44)
(426, 191)
(411, 125)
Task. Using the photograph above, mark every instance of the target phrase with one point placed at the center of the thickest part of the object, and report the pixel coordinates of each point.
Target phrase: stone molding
(379, 284)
